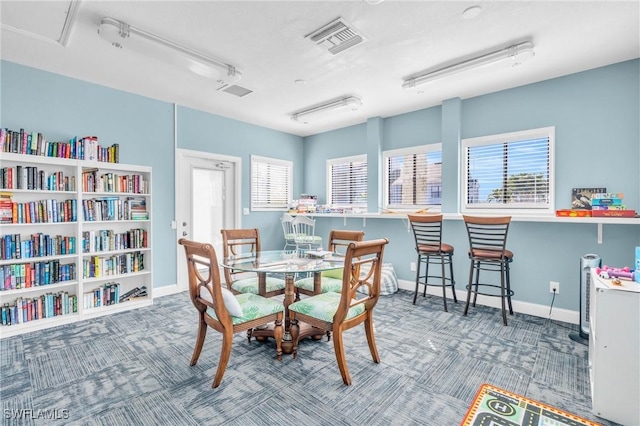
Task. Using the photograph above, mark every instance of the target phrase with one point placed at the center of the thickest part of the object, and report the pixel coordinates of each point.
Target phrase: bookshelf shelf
(72, 207)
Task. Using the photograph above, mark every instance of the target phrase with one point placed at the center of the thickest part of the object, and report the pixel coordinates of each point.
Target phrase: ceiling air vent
(337, 36)
(237, 90)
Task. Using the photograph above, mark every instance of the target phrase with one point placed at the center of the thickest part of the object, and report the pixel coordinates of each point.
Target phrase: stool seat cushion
(491, 254)
(432, 249)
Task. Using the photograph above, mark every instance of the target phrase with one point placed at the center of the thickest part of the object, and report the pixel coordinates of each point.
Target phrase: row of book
(108, 240)
(106, 294)
(126, 263)
(41, 211)
(114, 208)
(14, 246)
(35, 274)
(93, 181)
(31, 178)
(45, 306)
(34, 143)
(110, 294)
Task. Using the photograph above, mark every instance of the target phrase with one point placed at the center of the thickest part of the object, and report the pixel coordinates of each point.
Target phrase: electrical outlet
(412, 266)
(554, 287)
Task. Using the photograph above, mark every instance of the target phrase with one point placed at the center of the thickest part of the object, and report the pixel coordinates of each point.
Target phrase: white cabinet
(81, 241)
(614, 350)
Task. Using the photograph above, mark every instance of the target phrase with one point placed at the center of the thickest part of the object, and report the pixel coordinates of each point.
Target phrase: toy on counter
(609, 272)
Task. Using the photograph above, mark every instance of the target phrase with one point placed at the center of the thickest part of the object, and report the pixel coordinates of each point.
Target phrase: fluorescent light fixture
(516, 54)
(125, 36)
(350, 102)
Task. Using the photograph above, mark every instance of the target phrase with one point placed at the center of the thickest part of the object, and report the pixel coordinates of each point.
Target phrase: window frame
(361, 158)
(269, 161)
(414, 150)
(511, 137)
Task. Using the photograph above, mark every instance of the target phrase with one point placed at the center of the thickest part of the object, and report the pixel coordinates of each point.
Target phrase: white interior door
(207, 201)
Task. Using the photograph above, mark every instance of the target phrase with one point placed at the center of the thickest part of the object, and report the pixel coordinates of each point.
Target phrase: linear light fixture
(516, 54)
(349, 102)
(125, 36)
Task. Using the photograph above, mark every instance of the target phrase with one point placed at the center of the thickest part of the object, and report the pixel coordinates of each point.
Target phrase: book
(581, 197)
(573, 213)
(613, 213)
(606, 201)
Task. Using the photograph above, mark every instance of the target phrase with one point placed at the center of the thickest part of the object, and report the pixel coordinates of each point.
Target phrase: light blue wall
(201, 131)
(61, 108)
(596, 114)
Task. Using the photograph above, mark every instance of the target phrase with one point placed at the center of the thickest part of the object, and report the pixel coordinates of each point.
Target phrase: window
(509, 171)
(413, 177)
(347, 181)
(271, 183)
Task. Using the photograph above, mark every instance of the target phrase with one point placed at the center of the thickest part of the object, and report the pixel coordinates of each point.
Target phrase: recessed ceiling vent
(337, 36)
(239, 91)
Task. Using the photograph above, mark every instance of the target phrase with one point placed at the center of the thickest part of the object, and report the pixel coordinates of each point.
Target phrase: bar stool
(427, 230)
(487, 252)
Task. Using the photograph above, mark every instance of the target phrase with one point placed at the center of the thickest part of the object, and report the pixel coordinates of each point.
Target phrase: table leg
(305, 329)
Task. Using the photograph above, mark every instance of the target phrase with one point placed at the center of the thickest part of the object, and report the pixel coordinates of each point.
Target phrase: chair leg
(444, 283)
(453, 281)
(249, 334)
(294, 329)
(509, 289)
(371, 339)
(278, 332)
(469, 288)
(502, 294)
(202, 333)
(225, 354)
(415, 295)
(338, 346)
(475, 295)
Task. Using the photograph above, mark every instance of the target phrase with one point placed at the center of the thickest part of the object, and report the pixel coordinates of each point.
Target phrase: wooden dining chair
(329, 280)
(337, 312)
(237, 242)
(223, 311)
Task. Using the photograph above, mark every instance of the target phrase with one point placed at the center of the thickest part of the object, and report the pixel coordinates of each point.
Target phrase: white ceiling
(266, 41)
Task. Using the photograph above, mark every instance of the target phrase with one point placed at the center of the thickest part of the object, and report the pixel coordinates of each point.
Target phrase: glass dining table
(289, 264)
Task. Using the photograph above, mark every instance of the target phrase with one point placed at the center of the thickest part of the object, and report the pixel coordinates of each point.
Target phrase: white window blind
(510, 171)
(347, 181)
(413, 177)
(271, 183)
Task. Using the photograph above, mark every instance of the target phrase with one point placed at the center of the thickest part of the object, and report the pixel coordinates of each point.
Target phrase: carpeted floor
(132, 368)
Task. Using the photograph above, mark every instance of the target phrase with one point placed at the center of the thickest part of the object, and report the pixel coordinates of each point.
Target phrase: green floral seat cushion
(324, 306)
(326, 284)
(334, 273)
(250, 285)
(309, 239)
(253, 306)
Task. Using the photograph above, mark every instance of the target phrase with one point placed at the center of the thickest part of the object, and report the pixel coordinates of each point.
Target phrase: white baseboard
(166, 290)
(565, 315)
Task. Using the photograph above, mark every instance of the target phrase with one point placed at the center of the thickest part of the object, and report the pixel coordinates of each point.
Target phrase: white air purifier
(587, 262)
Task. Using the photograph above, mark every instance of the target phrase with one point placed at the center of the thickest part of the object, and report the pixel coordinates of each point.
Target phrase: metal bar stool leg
(453, 281)
(502, 294)
(444, 283)
(415, 295)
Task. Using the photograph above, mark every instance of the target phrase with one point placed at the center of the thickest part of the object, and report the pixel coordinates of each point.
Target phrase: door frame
(180, 156)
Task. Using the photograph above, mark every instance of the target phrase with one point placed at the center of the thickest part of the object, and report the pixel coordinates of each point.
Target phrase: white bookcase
(614, 350)
(102, 242)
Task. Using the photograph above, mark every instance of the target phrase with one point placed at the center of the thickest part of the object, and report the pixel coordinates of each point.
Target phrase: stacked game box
(608, 204)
